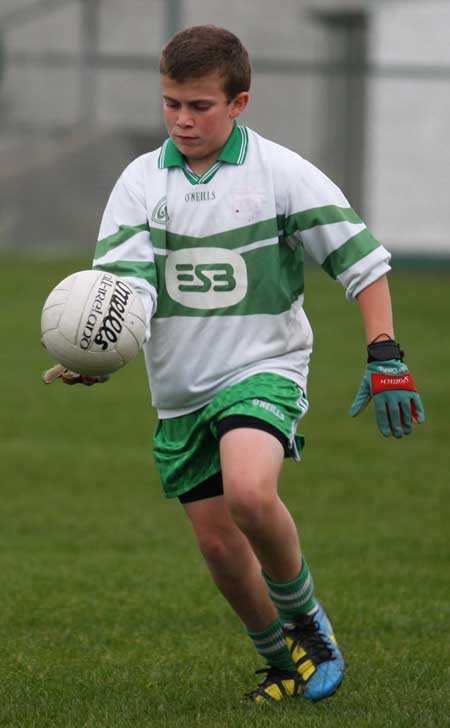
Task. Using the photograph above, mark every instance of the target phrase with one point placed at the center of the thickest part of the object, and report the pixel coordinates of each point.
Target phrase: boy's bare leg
(232, 562)
(248, 528)
(251, 463)
(237, 572)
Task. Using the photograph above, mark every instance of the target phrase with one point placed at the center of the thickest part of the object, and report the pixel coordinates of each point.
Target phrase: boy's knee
(251, 503)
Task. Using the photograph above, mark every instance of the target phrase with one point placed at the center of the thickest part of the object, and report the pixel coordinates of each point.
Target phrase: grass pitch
(109, 619)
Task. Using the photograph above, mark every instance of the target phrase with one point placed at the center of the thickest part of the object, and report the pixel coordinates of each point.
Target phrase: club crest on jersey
(159, 214)
(206, 278)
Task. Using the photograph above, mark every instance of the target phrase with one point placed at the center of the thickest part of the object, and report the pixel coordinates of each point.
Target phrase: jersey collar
(234, 151)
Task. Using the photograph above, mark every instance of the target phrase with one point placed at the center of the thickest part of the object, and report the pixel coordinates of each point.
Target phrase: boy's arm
(124, 246)
(125, 249)
(319, 217)
(386, 379)
(376, 310)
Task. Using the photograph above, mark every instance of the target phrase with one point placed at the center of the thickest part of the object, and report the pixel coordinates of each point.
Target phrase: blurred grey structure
(359, 87)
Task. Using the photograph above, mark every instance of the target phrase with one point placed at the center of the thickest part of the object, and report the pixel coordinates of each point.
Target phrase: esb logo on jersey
(206, 278)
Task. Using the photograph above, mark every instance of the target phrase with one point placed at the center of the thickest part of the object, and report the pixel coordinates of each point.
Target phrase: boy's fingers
(51, 375)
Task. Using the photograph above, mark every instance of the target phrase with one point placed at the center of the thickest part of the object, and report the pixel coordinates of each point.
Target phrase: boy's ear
(239, 104)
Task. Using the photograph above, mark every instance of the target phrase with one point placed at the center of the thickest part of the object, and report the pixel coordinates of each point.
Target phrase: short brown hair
(203, 49)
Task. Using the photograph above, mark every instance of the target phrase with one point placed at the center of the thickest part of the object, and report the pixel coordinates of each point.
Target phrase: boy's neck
(200, 166)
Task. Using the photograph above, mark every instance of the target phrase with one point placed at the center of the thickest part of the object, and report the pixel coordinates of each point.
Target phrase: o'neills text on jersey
(204, 196)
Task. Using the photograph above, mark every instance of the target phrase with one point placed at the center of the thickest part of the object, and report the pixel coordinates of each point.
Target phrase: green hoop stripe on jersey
(259, 231)
(349, 253)
(124, 233)
(136, 269)
(275, 282)
(326, 215)
(236, 238)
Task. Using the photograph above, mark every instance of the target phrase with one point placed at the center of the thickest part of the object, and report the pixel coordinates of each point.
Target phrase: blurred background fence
(359, 87)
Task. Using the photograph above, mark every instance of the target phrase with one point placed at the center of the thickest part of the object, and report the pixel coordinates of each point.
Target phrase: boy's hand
(390, 384)
(69, 377)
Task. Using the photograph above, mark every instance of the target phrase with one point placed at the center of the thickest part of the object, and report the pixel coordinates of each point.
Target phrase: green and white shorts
(186, 448)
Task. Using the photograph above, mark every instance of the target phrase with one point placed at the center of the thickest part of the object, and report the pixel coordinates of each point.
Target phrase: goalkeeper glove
(69, 377)
(387, 380)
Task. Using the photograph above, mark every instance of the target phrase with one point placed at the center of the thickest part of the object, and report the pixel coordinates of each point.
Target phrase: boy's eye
(195, 106)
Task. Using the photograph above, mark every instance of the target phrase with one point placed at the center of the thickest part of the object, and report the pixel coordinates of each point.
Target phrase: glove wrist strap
(383, 351)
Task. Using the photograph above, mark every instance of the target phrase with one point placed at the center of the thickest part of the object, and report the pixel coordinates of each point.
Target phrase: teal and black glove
(69, 377)
(388, 381)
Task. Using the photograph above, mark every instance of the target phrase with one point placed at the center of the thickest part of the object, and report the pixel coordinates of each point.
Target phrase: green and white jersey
(218, 260)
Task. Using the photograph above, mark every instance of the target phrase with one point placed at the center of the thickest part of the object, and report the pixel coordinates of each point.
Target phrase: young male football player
(211, 229)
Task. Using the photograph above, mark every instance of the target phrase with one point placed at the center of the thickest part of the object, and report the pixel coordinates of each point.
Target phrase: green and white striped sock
(271, 645)
(294, 597)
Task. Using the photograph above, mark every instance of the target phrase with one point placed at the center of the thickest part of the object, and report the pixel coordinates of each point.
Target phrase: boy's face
(199, 117)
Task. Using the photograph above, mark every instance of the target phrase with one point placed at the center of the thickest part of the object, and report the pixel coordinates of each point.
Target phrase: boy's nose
(184, 118)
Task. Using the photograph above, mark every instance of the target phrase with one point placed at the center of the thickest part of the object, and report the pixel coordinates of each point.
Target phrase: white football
(93, 322)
